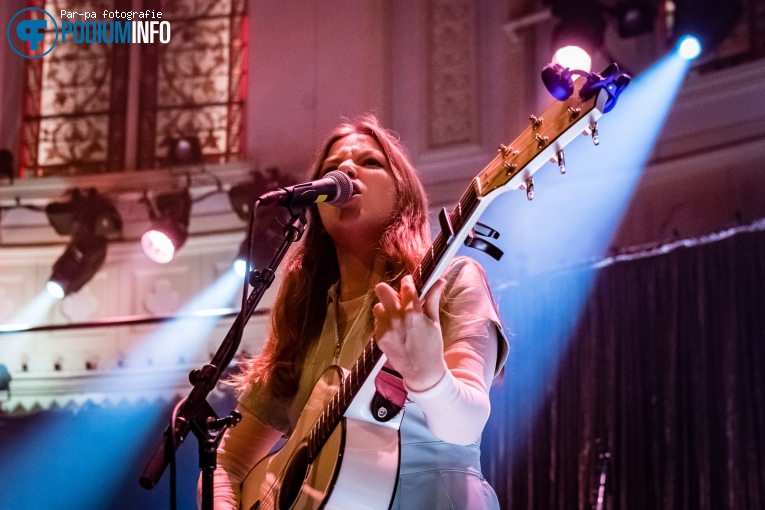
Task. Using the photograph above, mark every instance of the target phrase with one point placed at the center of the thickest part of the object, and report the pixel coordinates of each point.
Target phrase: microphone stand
(196, 414)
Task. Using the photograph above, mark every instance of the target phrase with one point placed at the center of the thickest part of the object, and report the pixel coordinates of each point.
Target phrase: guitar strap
(390, 396)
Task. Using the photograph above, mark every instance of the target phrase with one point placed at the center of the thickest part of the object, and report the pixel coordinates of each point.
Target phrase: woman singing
(349, 278)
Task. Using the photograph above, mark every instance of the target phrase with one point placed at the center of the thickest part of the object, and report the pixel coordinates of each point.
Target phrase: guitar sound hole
(293, 480)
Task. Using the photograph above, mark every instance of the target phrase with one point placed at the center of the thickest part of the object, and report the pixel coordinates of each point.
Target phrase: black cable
(217, 180)
(205, 196)
(19, 205)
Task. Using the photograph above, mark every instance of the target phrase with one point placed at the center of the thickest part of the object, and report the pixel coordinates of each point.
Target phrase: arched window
(78, 99)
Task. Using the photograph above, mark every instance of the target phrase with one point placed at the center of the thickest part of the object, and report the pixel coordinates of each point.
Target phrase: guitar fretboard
(352, 383)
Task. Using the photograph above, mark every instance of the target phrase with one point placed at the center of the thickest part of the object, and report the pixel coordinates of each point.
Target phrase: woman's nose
(348, 168)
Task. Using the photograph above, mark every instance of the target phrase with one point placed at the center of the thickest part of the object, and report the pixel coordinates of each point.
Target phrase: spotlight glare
(240, 263)
(55, 289)
(239, 267)
(157, 246)
(573, 57)
(12, 328)
(213, 312)
(689, 47)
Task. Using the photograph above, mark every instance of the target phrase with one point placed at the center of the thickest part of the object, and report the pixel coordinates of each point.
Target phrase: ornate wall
(444, 75)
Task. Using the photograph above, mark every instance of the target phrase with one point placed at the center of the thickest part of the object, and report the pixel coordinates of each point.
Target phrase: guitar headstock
(544, 139)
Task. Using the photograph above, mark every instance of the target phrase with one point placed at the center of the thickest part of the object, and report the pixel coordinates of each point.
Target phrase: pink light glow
(573, 57)
(157, 246)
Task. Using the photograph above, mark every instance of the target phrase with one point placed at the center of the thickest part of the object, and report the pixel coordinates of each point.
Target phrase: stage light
(634, 17)
(80, 262)
(170, 226)
(89, 218)
(708, 21)
(186, 150)
(270, 221)
(573, 57)
(689, 47)
(268, 235)
(579, 32)
(55, 289)
(87, 211)
(242, 196)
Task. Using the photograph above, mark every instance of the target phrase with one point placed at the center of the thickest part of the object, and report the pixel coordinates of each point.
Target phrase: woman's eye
(374, 162)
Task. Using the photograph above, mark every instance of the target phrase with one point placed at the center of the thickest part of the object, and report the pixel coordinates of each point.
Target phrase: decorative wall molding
(124, 362)
(34, 391)
(452, 73)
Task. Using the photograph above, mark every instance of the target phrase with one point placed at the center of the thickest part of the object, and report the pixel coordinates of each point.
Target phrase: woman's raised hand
(408, 331)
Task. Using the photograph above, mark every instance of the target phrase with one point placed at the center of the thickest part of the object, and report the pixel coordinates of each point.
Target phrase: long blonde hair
(298, 314)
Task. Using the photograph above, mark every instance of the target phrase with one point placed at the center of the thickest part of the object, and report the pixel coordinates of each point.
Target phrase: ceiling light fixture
(170, 226)
(89, 219)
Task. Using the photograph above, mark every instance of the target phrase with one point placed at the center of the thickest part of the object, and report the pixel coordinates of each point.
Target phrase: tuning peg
(507, 151)
(530, 188)
(561, 162)
(509, 167)
(471, 241)
(482, 229)
(594, 129)
(535, 122)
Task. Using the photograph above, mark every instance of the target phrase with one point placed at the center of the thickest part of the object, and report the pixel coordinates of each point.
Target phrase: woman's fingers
(433, 298)
(408, 296)
(388, 297)
(408, 299)
(382, 320)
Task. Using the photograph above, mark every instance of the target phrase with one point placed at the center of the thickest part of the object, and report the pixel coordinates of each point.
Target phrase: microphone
(334, 188)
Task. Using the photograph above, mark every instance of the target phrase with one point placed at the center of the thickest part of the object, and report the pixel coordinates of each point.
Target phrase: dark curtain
(659, 361)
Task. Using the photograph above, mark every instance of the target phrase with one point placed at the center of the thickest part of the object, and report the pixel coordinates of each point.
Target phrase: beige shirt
(467, 310)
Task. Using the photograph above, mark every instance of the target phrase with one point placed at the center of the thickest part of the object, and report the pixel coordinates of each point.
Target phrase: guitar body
(356, 468)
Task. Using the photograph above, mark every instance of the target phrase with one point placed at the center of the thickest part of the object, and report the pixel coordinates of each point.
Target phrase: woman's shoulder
(463, 269)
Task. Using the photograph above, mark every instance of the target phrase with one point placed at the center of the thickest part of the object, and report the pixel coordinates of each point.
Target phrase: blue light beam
(13, 346)
(180, 341)
(85, 456)
(571, 220)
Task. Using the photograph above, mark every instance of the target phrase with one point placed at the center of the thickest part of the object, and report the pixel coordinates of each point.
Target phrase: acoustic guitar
(340, 456)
